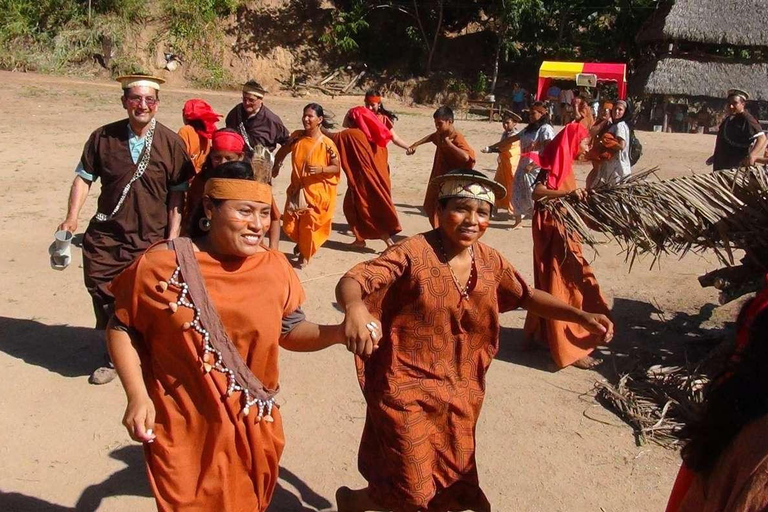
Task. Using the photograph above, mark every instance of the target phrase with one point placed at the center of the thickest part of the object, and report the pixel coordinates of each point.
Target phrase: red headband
(224, 140)
(373, 99)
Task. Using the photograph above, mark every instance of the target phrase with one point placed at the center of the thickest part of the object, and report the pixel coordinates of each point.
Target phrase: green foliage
(210, 73)
(189, 19)
(481, 84)
(345, 27)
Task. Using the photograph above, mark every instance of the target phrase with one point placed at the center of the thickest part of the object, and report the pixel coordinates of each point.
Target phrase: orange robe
(197, 147)
(737, 483)
(207, 455)
(559, 268)
(424, 386)
(505, 174)
(445, 161)
(312, 227)
(368, 204)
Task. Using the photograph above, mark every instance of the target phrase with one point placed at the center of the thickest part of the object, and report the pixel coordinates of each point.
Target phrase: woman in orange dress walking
(425, 316)
(368, 205)
(311, 201)
(197, 351)
(559, 267)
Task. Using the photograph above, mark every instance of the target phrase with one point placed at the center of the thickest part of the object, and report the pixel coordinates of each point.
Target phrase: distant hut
(695, 50)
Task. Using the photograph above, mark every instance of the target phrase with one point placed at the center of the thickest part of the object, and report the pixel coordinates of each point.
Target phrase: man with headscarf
(258, 125)
(740, 139)
(144, 170)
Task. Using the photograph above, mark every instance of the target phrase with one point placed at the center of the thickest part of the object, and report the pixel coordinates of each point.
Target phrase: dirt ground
(544, 444)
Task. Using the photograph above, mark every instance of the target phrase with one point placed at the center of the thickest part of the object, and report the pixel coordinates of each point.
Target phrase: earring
(205, 224)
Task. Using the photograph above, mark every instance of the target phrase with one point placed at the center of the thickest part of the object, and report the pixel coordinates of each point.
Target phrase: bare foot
(302, 262)
(348, 500)
(389, 242)
(588, 363)
(517, 223)
(358, 243)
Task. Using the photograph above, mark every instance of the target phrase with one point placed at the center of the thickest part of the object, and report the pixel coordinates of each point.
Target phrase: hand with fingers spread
(361, 330)
(139, 419)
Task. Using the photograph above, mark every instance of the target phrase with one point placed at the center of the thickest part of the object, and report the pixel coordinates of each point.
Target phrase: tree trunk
(563, 25)
(499, 43)
(437, 34)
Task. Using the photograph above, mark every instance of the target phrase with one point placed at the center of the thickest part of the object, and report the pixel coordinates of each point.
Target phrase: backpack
(635, 148)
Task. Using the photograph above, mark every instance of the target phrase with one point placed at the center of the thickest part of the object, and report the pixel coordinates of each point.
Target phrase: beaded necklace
(464, 292)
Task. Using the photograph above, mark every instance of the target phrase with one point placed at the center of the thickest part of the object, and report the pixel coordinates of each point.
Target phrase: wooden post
(665, 124)
(89, 13)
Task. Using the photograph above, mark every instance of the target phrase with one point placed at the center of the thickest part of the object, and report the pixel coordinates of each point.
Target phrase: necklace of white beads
(211, 358)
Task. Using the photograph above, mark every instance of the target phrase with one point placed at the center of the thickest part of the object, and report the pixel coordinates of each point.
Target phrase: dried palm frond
(719, 211)
(656, 403)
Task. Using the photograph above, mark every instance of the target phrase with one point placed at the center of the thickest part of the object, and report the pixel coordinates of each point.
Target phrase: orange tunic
(559, 268)
(207, 456)
(445, 161)
(197, 147)
(424, 386)
(368, 204)
(505, 174)
(312, 227)
(737, 483)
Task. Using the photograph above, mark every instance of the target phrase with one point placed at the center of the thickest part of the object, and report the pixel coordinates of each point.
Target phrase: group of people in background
(196, 304)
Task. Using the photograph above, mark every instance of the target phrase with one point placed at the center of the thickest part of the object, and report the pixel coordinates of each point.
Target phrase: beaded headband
(239, 190)
(468, 188)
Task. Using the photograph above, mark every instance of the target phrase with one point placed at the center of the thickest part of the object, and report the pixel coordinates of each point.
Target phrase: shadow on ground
(132, 481)
(644, 335)
(64, 349)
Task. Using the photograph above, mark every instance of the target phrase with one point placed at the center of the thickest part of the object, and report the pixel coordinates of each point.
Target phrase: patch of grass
(211, 73)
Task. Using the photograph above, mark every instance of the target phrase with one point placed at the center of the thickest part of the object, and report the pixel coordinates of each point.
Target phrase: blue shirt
(135, 146)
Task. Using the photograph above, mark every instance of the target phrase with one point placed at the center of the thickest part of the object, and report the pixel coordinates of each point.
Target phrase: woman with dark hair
(725, 461)
(198, 358)
(227, 145)
(387, 117)
(314, 177)
(617, 167)
(368, 204)
(430, 308)
(533, 139)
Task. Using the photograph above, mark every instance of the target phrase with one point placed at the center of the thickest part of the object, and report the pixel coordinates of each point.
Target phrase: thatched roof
(675, 76)
(734, 22)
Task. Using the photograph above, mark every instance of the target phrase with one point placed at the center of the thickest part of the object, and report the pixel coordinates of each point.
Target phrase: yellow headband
(239, 190)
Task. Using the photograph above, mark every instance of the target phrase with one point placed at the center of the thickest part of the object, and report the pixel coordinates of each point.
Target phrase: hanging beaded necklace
(464, 292)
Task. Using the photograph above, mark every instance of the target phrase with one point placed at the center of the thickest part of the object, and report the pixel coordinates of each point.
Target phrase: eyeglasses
(136, 101)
